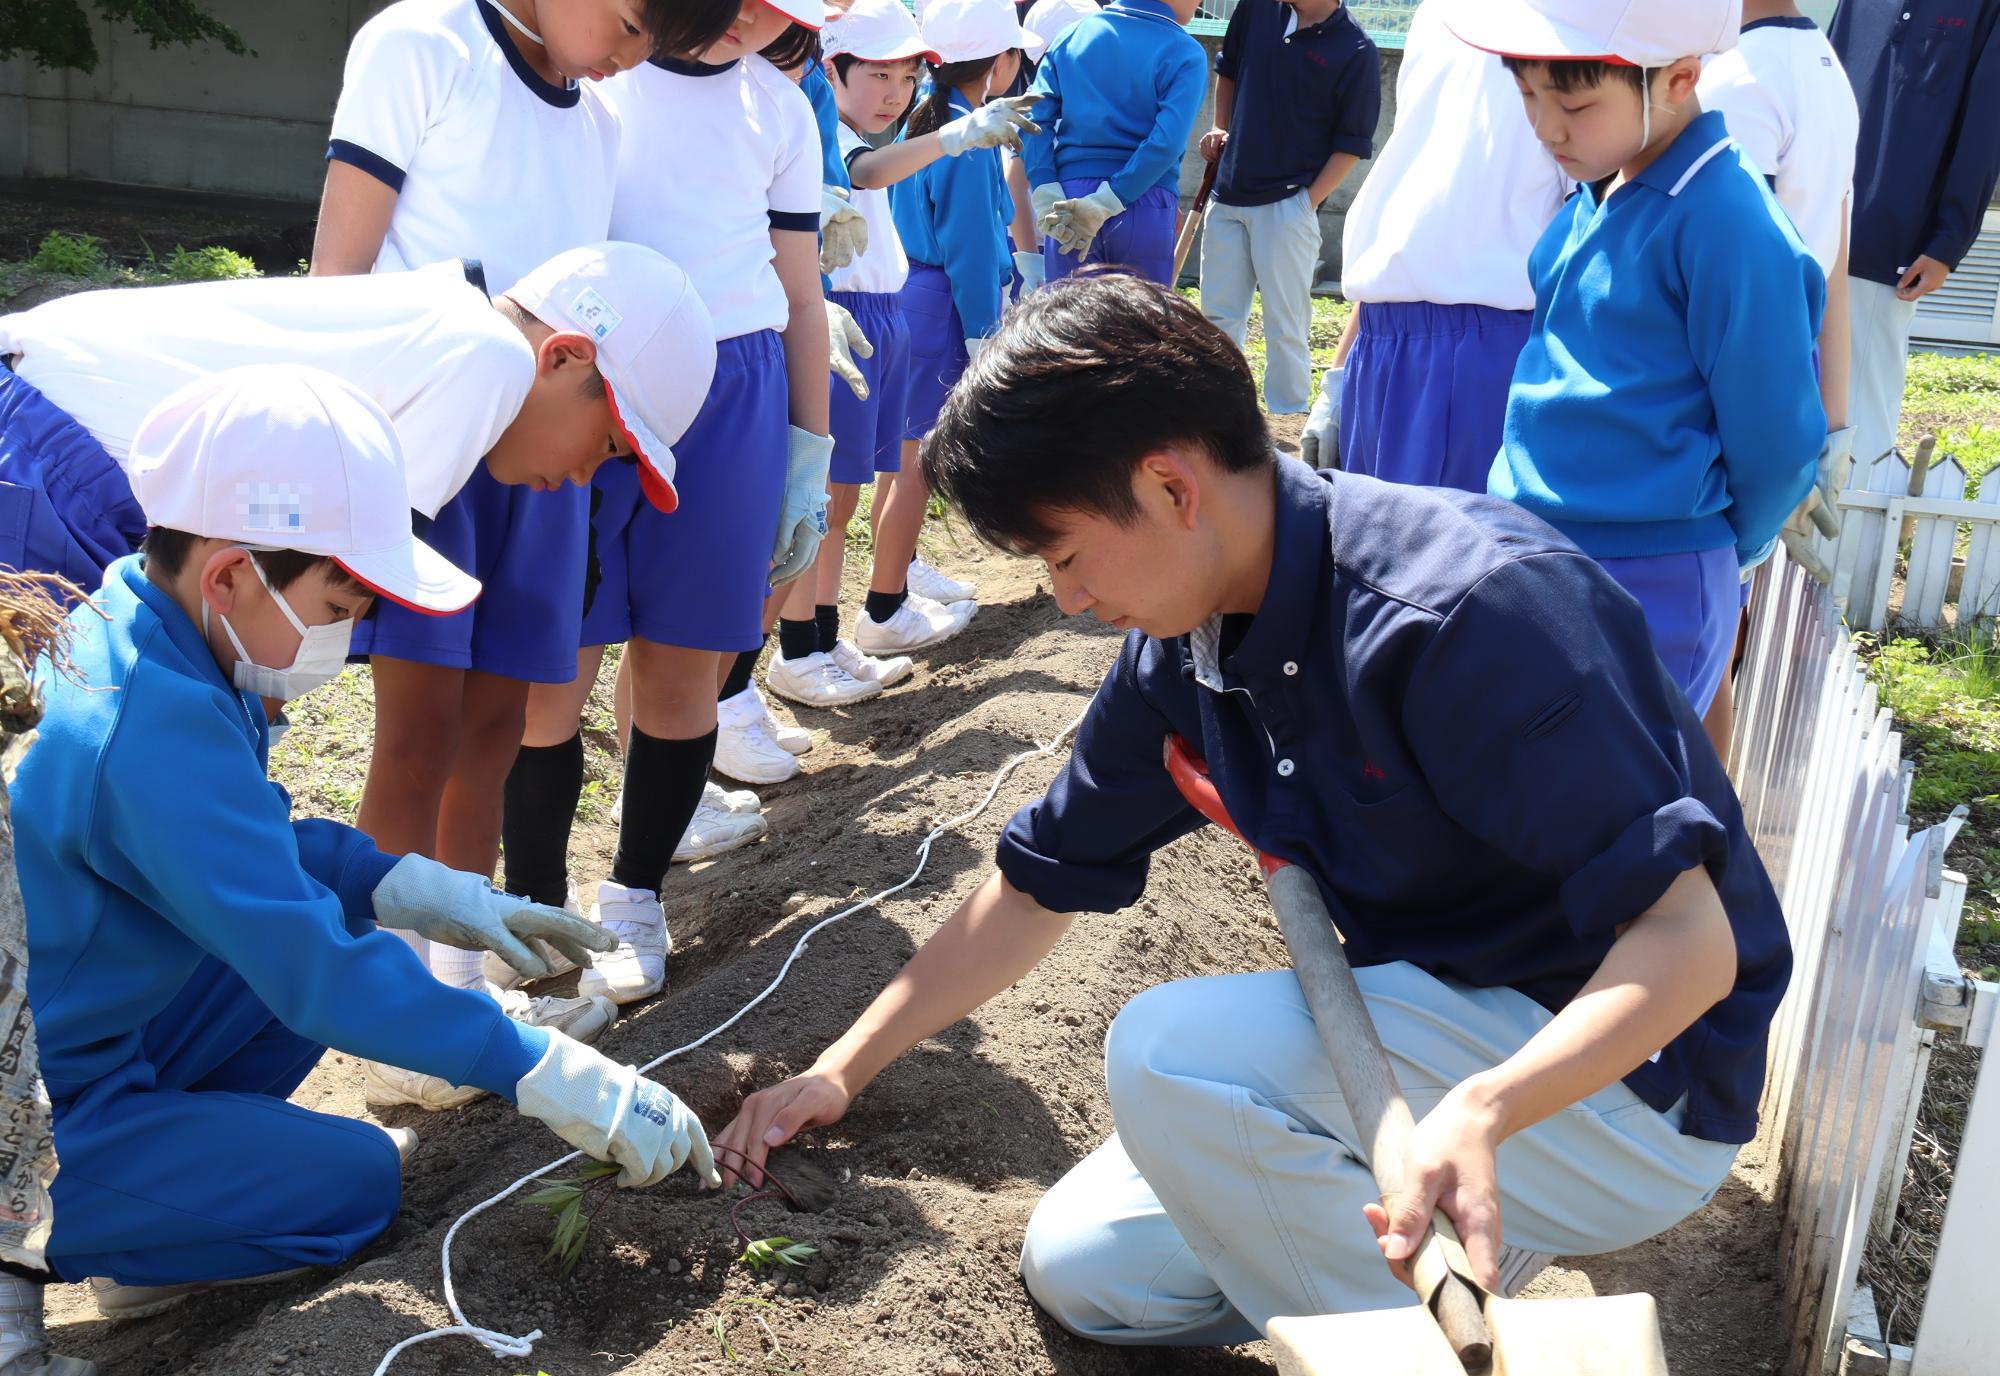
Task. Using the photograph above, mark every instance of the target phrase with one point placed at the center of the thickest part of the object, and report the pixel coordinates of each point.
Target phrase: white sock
(460, 969)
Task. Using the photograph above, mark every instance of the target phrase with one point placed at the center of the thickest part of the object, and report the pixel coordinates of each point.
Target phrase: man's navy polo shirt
(1301, 97)
(1926, 75)
(1455, 721)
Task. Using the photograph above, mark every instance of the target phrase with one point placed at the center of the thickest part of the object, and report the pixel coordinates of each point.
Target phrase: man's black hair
(1569, 75)
(1084, 379)
(167, 554)
(682, 28)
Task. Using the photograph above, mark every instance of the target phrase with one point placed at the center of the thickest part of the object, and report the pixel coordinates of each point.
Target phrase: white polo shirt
(1787, 102)
(488, 160)
(428, 346)
(1461, 191)
(712, 160)
(884, 267)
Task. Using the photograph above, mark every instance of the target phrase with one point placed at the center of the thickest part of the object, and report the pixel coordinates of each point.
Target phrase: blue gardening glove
(615, 1114)
(844, 340)
(1074, 224)
(996, 124)
(1034, 270)
(443, 904)
(802, 521)
(1319, 444)
(843, 234)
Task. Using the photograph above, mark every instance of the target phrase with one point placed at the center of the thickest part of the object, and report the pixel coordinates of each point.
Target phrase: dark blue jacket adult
(1455, 721)
(1302, 95)
(1926, 75)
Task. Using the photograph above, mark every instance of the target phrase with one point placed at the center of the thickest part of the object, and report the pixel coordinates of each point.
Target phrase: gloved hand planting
(615, 1114)
(443, 904)
(996, 124)
(802, 520)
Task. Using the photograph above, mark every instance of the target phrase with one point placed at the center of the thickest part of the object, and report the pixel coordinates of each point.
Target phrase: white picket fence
(1872, 913)
(1941, 586)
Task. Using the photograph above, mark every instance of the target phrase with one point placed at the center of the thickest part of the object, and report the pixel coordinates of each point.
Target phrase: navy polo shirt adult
(1455, 721)
(1926, 76)
(1302, 95)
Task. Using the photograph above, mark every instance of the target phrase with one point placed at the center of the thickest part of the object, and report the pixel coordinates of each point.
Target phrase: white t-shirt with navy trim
(884, 267)
(488, 160)
(711, 160)
(427, 346)
(1788, 104)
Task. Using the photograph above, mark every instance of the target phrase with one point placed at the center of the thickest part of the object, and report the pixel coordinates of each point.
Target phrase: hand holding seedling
(615, 1114)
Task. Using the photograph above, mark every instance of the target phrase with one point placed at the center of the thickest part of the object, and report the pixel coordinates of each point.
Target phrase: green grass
(1958, 400)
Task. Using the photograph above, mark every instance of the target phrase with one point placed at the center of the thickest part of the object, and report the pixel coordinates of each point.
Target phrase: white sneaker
(24, 1342)
(391, 1086)
(737, 800)
(123, 1303)
(795, 739)
(887, 672)
(745, 747)
(816, 680)
(638, 968)
(928, 582)
(717, 829)
(584, 1018)
(499, 972)
(916, 625)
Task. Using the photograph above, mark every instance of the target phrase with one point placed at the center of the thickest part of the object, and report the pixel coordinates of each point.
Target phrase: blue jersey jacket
(954, 215)
(1119, 91)
(154, 853)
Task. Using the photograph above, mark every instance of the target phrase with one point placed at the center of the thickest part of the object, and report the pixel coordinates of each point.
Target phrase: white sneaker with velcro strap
(926, 581)
(887, 672)
(638, 968)
(817, 680)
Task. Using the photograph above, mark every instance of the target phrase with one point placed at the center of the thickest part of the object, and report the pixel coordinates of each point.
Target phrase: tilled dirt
(941, 1161)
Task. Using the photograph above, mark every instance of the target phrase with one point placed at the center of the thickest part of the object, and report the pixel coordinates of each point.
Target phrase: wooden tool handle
(1368, 1084)
(1191, 221)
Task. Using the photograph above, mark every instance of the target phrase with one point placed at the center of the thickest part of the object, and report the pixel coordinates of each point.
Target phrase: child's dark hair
(680, 27)
(167, 554)
(1570, 75)
(1084, 379)
(843, 63)
(935, 112)
(793, 48)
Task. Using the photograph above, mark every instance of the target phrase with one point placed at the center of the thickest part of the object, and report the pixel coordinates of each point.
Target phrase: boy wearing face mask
(194, 951)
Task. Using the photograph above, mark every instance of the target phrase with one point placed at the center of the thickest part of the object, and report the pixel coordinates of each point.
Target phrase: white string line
(507, 1345)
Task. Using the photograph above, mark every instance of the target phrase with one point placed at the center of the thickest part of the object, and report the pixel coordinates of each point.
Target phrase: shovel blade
(1379, 1342)
(1616, 1335)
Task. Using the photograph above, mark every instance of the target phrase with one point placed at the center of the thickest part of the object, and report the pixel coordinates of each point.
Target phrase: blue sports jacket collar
(1696, 145)
(129, 575)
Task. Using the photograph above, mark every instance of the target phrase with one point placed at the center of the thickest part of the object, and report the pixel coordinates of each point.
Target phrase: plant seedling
(777, 1251)
(574, 1204)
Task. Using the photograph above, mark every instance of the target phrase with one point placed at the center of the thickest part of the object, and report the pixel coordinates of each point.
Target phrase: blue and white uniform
(192, 953)
(868, 435)
(488, 161)
(952, 218)
(714, 159)
(1120, 91)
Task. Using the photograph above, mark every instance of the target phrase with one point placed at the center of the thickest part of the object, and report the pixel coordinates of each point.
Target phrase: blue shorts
(1425, 393)
(868, 435)
(937, 346)
(1692, 606)
(1139, 238)
(528, 548)
(65, 504)
(697, 578)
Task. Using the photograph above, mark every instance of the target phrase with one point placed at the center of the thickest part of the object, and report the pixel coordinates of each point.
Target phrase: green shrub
(214, 264)
(70, 255)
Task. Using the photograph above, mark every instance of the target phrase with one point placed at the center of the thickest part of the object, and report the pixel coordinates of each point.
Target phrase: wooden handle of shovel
(1191, 221)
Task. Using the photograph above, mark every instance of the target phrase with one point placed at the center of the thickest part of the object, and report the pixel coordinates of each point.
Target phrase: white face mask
(322, 652)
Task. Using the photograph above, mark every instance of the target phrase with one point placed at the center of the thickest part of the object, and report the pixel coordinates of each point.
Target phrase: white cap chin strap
(517, 25)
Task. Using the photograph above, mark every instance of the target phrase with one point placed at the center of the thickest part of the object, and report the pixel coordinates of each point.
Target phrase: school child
(1667, 426)
(193, 957)
(739, 208)
(952, 218)
(1120, 91)
(876, 55)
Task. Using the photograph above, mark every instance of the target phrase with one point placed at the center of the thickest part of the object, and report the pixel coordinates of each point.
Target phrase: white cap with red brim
(1633, 33)
(968, 30)
(811, 13)
(877, 31)
(278, 456)
(655, 343)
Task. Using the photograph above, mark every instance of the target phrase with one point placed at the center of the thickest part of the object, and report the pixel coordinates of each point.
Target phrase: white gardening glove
(615, 1114)
(843, 234)
(996, 124)
(443, 904)
(973, 348)
(1074, 224)
(1044, 198)
(1034, 270)
(1819, 510)
(802, 522)
(844, 340)
(1319, 444)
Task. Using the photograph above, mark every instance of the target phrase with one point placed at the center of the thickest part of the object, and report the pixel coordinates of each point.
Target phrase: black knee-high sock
(663, 782)
(828, 619)
(739, 674)
(797, 639)
(541, 795)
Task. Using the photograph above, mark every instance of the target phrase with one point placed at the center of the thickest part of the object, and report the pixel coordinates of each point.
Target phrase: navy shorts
(697, 577)
(528, 549)
(937, 346)
(65, 505)
(868, 435)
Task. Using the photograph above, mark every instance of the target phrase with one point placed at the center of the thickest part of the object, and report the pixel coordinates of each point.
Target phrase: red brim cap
(413, 576)
(655, 457)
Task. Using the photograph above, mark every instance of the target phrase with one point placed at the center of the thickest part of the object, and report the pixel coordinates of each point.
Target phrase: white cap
(877, 31)
(966, 30)
(1635, 33)
(811, 13)
(655, 343)
(1049, 20)
(281, 456)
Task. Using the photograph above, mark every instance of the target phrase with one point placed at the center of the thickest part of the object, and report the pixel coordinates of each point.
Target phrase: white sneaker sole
(867, 690)
(110, 1305)
(758, 770)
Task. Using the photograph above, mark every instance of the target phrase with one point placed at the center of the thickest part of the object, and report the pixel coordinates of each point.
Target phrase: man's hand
(772, 1117)
(1448, 1165)
(1212, 142)
(1921, 278)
